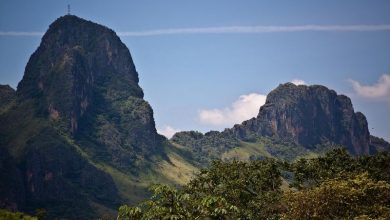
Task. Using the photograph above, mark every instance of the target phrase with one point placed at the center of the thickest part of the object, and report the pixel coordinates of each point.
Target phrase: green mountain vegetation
(5, 214)
(333, 186)
(77, 141)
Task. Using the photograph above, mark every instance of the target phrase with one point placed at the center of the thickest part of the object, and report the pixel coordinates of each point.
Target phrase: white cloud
(167, 131)
(298, 82)
(246, 107)
(232, 30)
(256, 29)
(380, 90)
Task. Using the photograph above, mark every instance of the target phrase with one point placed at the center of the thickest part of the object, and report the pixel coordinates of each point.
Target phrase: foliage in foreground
(5, 214)
(335, 186)
(354, 197)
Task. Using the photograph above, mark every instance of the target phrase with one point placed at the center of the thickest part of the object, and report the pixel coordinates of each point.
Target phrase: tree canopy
(333, 186)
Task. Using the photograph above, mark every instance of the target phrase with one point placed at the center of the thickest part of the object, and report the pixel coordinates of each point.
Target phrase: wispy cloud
(380, 90)
(167, 131)
(234, 30)
(298, 82)
(256, 29)
(246, 107)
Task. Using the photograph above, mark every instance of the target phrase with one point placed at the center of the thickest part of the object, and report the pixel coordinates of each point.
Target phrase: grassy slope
(259, 149)
(173, 170)
(177, 169)
(245, 150)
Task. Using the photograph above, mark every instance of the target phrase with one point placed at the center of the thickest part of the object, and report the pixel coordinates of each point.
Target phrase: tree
(170, 203)
(312, 172)
(355, 197)
(226, 190)
(377, 166)
(254, 187)
(334, 186)
(5, 214)
(129, 213)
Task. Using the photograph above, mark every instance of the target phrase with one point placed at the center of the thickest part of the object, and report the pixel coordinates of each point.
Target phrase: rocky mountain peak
(78, 106)
(309, 116)
(79, 66)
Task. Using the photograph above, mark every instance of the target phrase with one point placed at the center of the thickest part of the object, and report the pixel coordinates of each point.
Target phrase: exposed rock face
(78, 105)
(83, 76)
(309, 116)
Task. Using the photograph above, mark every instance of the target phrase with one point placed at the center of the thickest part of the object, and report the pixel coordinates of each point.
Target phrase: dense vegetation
(7, 215)
(334, 186)
(216, 145)
(207, 147)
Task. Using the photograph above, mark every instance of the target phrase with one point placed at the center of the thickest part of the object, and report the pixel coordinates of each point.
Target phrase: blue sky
(197, 79)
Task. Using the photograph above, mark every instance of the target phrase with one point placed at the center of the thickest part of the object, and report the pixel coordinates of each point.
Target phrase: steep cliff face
(309, 116)
(77, 110)
(82, 77)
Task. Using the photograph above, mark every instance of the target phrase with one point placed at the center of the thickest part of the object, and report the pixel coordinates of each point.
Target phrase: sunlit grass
(245, 151)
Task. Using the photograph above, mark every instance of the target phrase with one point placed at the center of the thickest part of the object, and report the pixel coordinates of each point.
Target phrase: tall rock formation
(77, 110)
(309, 116)
(83, 76)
